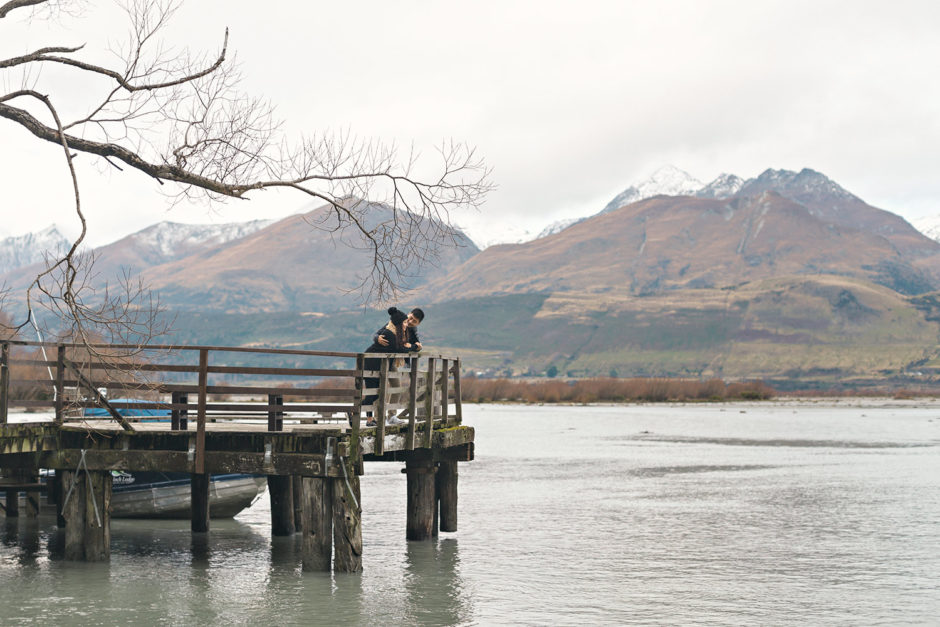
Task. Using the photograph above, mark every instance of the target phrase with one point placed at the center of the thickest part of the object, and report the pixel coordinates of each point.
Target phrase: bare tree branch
(12, 5)
(182, 120)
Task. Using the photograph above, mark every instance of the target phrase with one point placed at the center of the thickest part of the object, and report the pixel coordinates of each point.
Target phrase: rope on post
(94, 502)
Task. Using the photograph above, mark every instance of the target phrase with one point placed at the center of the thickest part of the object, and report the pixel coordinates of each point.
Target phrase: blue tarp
(101, 412)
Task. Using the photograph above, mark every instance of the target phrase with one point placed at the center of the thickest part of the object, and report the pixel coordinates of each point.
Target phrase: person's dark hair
(417, 313)
(397, 316)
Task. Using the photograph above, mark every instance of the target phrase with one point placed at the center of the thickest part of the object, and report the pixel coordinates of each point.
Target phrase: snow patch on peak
(23, 250)
(806, 181)
(558, 226)
(724, 186)
(170, 240)
(929, 226)
(666, 181)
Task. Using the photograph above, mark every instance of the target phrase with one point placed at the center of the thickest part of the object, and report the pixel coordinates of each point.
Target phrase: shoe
(393, 420)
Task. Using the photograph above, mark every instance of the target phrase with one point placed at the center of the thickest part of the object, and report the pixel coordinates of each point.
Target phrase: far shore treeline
(599, 390)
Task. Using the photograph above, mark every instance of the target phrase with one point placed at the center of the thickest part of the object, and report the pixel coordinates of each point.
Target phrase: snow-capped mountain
(557, 226)
(724, 186)
(929, 226)
(170, 240)
(666, 181)
(23, 250)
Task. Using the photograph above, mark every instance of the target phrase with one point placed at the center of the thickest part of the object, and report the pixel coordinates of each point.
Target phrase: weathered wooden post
(179, 417)
(60, 385)
(199, 482)
(421, 499)
(317, 528)
(412, 404)
(281, 491)
(4, 381)
(347, 521)
(446, 481)
(12, 505)
(199, 496)
(458, 407)
(87, 512)
(57, 495)
(275, 416)
(380, 409)
(297, 495)
(31, 481)
(429, 403)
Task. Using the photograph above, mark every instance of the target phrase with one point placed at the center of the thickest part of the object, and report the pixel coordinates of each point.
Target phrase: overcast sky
(569, 102)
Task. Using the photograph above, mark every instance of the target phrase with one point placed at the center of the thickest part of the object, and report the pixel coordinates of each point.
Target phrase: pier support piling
(281, 490)
(446, 480)
(421, 499)
(317, 527)
(347, 522)
(297, 493)
(32, 495)
(199, 489)
(12, 506)
(87, 513)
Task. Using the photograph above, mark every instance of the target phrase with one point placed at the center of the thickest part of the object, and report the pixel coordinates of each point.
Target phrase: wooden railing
(217, 383)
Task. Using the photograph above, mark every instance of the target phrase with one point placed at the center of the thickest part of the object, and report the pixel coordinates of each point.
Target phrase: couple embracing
(399, 335)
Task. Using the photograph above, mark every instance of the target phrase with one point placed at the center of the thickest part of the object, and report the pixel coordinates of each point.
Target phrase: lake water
(757, 514)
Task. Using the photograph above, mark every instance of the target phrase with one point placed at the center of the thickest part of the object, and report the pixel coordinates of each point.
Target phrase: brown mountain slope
(289, 265)
(683, 242)
(830, 202)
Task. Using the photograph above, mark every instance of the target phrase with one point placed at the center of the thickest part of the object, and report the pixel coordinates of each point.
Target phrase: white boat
(169, 494)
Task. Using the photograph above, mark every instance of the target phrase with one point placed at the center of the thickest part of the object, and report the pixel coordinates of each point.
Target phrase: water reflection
(796, 443)
(22, 535)
(200, 547)
(436, 593)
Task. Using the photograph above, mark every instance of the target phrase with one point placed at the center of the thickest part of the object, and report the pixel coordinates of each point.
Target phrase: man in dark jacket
(411, 324)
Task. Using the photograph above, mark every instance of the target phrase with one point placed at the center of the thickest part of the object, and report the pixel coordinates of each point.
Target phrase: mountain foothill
(786, 277)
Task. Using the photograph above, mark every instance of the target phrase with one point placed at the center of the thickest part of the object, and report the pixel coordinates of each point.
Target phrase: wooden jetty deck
(298, 417)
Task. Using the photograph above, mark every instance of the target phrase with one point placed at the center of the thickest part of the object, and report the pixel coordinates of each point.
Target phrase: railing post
(275, 416)
(356, 414)
(4, 381)
(458, 408)
(380, 408)
(199, 467)
(179, 417)
(412, 404)
(60, 385)
(429, 403)
(445, 373)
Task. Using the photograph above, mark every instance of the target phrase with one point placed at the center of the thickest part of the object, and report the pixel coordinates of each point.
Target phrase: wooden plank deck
(314, 447)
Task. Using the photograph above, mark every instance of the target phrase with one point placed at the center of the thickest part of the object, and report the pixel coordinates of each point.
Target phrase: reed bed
(474, 390)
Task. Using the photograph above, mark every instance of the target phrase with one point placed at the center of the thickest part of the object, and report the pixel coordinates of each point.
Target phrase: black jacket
(412, 339)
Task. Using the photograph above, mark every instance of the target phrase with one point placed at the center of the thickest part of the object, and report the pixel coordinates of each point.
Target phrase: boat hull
(171, 496)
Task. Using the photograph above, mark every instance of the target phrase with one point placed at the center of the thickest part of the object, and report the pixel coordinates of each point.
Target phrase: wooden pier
(297, 417)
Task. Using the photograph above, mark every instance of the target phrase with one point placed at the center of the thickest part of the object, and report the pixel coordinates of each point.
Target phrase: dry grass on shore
(475, 390)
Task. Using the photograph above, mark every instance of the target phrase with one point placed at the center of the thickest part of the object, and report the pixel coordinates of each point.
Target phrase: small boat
(168, 494)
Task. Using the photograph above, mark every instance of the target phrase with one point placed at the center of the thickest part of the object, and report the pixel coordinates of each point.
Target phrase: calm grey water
(759, 514)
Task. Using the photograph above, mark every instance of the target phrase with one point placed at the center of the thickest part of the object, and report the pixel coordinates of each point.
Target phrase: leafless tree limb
(182, 120)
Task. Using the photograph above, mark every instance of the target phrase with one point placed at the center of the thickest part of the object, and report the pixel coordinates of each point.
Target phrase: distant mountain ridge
(685, 242)
(24, 250)
(822, 196)
(295, 264)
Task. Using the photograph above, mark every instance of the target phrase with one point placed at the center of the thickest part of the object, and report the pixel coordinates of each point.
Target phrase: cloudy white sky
(569, 102)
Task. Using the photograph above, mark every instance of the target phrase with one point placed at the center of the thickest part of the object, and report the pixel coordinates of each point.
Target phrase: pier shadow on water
(22, 538)
(435, 591)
